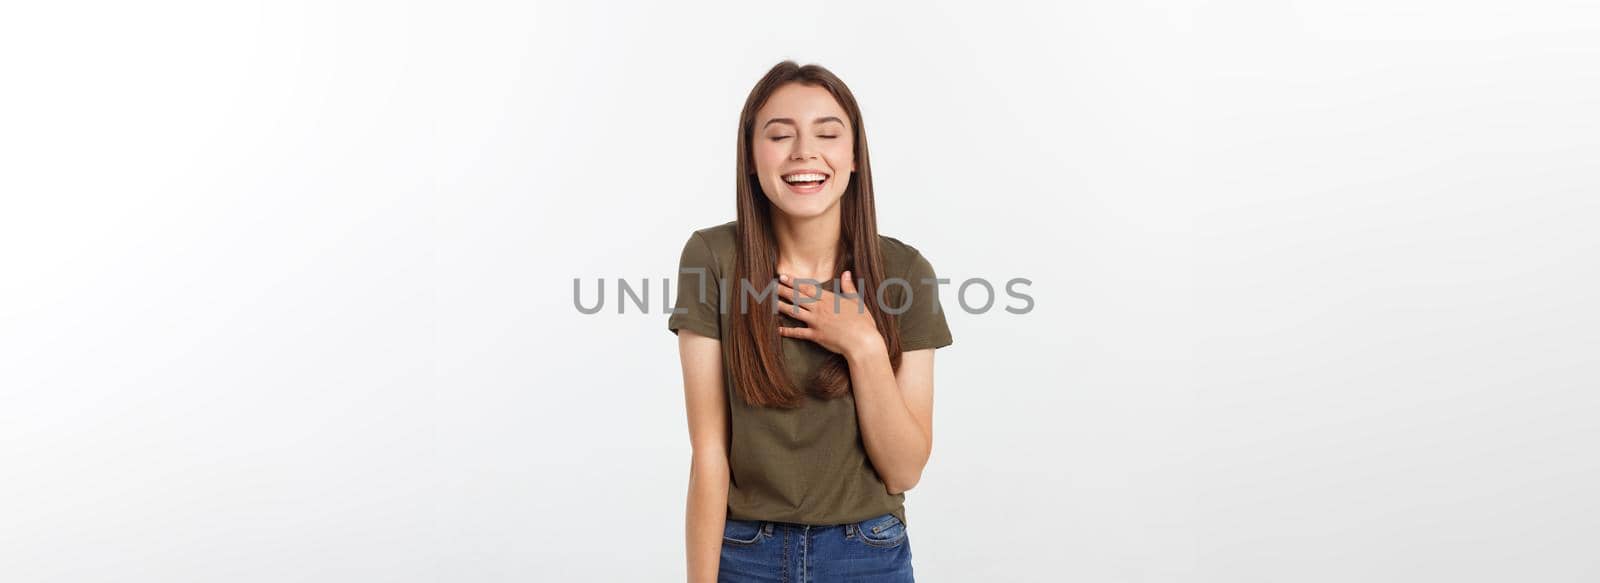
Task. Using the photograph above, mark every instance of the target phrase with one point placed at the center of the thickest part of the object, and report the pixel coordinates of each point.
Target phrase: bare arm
(895, 411)
(707, 408)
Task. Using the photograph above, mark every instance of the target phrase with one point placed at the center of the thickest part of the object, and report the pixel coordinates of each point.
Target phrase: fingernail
(783, 277)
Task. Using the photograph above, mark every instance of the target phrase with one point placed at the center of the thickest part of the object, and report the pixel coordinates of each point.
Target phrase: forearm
(707, 511)
(895, 442)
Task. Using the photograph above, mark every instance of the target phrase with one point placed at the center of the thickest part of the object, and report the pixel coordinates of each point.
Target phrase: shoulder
(710, 247)
(920, 317)
(720, 239)
(900, 258)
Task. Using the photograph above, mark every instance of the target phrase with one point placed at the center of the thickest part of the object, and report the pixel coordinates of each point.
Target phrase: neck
(807, 246)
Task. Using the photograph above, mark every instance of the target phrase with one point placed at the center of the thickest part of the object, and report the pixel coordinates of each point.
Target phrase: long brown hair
(755, 356)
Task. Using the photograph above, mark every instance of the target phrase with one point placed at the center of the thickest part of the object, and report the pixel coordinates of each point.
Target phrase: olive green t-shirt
(805, 465)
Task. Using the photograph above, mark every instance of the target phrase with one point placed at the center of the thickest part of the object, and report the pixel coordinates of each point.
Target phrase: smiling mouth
(805, 182)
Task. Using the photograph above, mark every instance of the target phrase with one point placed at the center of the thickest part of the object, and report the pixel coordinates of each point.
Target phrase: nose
(803, 149)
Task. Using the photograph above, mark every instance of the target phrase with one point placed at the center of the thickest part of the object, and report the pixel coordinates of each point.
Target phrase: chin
(804, 209)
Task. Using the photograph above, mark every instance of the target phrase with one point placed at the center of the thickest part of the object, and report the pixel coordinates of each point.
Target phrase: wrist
(868, 346)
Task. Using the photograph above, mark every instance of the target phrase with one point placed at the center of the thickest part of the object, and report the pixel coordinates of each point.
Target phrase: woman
(807, 342)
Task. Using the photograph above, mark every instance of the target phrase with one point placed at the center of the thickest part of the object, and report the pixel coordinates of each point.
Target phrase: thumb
(849, 283)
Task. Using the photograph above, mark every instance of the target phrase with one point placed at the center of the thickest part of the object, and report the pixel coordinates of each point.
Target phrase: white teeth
(792, 178)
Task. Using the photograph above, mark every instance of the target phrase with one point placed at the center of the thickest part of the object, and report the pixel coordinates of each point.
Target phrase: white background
(286, 288)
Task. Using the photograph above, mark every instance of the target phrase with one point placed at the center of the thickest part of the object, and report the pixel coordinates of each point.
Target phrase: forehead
(801, 103)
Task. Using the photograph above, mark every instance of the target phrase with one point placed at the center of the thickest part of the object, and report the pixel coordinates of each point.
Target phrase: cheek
(840, 158)
(767, 158)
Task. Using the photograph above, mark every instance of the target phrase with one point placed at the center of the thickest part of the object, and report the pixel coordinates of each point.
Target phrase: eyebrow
(789, 121)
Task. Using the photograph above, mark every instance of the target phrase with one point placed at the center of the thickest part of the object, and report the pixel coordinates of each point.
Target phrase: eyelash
(778, 138)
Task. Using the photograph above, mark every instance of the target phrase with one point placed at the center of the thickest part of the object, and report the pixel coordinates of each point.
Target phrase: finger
(811, 293)
(798, 333)
(849, 283)
(787, 284)
(795, 311)
(792, 289)
(803, 288)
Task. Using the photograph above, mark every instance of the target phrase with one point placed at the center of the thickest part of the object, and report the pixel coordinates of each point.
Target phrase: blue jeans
(877, 549)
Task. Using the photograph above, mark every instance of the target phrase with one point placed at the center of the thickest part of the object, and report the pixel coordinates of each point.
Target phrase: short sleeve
(922, 324)
(697, 288)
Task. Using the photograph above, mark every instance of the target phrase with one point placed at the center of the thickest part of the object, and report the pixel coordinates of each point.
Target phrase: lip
(797, 189)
